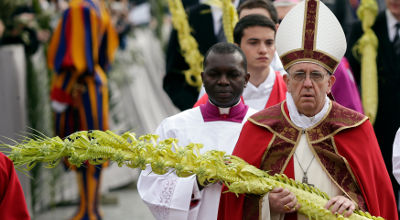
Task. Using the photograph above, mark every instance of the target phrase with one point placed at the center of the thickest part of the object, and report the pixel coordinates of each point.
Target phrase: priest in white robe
(216, 124)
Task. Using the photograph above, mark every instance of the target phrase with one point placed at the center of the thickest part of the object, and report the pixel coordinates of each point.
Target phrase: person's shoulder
(342, 118)
(196, 11)
(4, 159)
(251, 111)
(268, 116)
(199, 9)
(279, 73)
(274, 109)
(187, 115)
(180, 124)
(356, 26)
(347, 112)
(382, 16)
(5, 165)
(279, 76)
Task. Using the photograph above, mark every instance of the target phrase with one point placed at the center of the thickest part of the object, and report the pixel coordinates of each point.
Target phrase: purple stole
(211, 112)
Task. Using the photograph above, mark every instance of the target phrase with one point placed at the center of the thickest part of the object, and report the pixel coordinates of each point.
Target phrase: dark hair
(251, 21)
(265, 4)
(225, 48)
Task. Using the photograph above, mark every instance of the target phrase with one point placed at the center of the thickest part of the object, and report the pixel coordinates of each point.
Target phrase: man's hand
(341, 205)
(282, 201)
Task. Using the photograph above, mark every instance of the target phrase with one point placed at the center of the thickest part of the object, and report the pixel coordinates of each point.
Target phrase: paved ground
(128, 207)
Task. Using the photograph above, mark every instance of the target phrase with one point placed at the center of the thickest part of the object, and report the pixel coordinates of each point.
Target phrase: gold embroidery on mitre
(308, 51)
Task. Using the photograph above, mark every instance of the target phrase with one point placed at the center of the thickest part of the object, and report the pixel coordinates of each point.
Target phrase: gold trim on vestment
(271, 130)
(291, 153)
(313, 133)
(311, 147)
(350, 171)
(331, 137)
(326, 171)
(268, 147)
(340, 129)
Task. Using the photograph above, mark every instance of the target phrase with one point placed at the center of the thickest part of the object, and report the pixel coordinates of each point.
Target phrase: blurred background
(137, 101)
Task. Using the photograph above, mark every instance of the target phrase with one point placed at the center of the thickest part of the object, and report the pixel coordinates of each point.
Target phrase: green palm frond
(212, 166)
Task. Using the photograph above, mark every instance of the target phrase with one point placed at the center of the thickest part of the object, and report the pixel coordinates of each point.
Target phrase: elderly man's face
(224, 78)
(308, 84)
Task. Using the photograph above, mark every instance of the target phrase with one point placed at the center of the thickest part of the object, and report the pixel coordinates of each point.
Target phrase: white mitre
(310, 32)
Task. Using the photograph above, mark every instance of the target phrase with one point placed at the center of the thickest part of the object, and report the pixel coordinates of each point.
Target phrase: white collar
(391, 24)
(301, 120)
(224, 111)
(251, 91)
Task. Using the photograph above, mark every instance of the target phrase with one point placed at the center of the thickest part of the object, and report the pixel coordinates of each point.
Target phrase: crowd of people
(284, 96)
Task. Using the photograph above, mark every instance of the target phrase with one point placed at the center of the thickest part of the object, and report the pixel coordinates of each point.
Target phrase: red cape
(12, 200)
(358, 145)
(278, 93)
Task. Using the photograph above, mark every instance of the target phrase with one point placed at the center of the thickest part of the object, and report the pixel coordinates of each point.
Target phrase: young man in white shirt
(255, 34)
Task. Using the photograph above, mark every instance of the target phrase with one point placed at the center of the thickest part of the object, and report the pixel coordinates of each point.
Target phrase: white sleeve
(167, 196)
(396, 156)
(163, 132)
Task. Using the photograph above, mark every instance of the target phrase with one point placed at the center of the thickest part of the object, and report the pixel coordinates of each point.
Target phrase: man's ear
(247, 78)
(332, 80)
(276, 27)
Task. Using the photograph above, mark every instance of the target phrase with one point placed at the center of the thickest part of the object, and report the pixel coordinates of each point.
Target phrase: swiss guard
(80, 51)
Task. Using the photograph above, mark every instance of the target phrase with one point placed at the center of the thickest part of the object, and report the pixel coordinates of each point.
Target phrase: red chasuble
(278, 93)
(345, 144)
(12, 200)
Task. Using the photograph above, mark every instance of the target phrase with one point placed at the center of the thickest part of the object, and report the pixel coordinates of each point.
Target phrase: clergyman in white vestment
(216, 124)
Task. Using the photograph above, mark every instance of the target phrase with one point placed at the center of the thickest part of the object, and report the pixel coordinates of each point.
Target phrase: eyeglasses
(314, 76)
